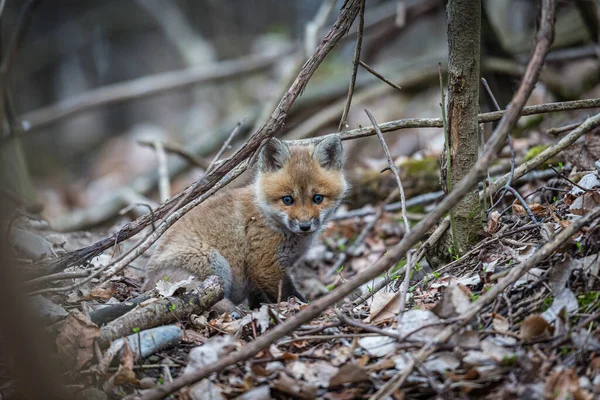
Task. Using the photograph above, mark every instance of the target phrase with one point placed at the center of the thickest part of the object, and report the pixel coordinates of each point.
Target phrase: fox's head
(298, 188)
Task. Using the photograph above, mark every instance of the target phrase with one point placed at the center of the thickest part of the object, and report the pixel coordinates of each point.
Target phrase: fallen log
(164, 311)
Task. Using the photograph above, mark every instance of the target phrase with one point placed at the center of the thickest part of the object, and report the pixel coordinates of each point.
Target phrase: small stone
(147, 383)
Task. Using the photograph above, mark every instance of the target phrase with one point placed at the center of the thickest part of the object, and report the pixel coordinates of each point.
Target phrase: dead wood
(164, 311)
(111, 312)
(586, 126)
(149, 85)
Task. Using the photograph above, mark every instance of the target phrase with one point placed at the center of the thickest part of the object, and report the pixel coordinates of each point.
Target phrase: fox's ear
(273, 155)
(328, 153)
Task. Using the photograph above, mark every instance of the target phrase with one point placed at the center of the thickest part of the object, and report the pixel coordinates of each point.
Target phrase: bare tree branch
(149, 86)
(361, 26)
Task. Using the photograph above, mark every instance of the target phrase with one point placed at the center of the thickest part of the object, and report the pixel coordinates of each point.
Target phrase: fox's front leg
(268, 293)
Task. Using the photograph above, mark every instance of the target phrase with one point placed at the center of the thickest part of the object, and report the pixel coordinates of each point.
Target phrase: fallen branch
(149, 86)
(164, 311)
(111, 312)
(422, 199)
(398, 251)
(485, 117)
(583, 128)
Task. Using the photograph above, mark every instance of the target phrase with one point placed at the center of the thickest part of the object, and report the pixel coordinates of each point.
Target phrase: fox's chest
(292, 249)
(267, 247)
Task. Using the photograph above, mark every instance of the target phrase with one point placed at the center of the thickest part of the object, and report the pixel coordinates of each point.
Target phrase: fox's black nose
(304, 226)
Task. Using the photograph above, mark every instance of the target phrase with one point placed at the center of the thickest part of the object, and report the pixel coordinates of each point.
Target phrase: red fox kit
(252, 236)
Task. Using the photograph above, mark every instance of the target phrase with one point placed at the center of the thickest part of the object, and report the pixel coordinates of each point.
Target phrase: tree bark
(464, 32)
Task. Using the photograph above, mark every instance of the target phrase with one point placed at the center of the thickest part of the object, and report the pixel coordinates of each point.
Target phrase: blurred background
(95, 80)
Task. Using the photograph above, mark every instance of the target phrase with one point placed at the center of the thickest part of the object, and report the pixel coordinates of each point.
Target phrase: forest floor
(539, 338)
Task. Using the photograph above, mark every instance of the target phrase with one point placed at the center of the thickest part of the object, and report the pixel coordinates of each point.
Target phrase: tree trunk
(464, 31)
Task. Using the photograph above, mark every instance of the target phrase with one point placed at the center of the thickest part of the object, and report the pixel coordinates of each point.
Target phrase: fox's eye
(287, 200)
(318, 198)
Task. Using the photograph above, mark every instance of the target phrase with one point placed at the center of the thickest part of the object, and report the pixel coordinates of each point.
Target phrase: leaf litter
(539, 338)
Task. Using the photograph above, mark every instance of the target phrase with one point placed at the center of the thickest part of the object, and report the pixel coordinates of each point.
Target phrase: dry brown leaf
(293, 387)
(534, 326)
(470, 375)
(191, 336)
(381, 365)
(349, 373)
(385, 305)
(564, 385)
(101, 293)
(493, 223)
(500, 323)
(455, 301)
(75, 340)
(537, 209)
(125, 372)
(584, 152)
(584, 203)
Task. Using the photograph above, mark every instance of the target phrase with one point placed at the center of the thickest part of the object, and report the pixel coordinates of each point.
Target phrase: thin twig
(225, 146)
(394, 169)
(361, 24)
(510, 144)
(378, 75)
(523, 203)
(368, 328)
(508, 187)
(567, 179)
(179, 150)
(563, 129)
(164, 186)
